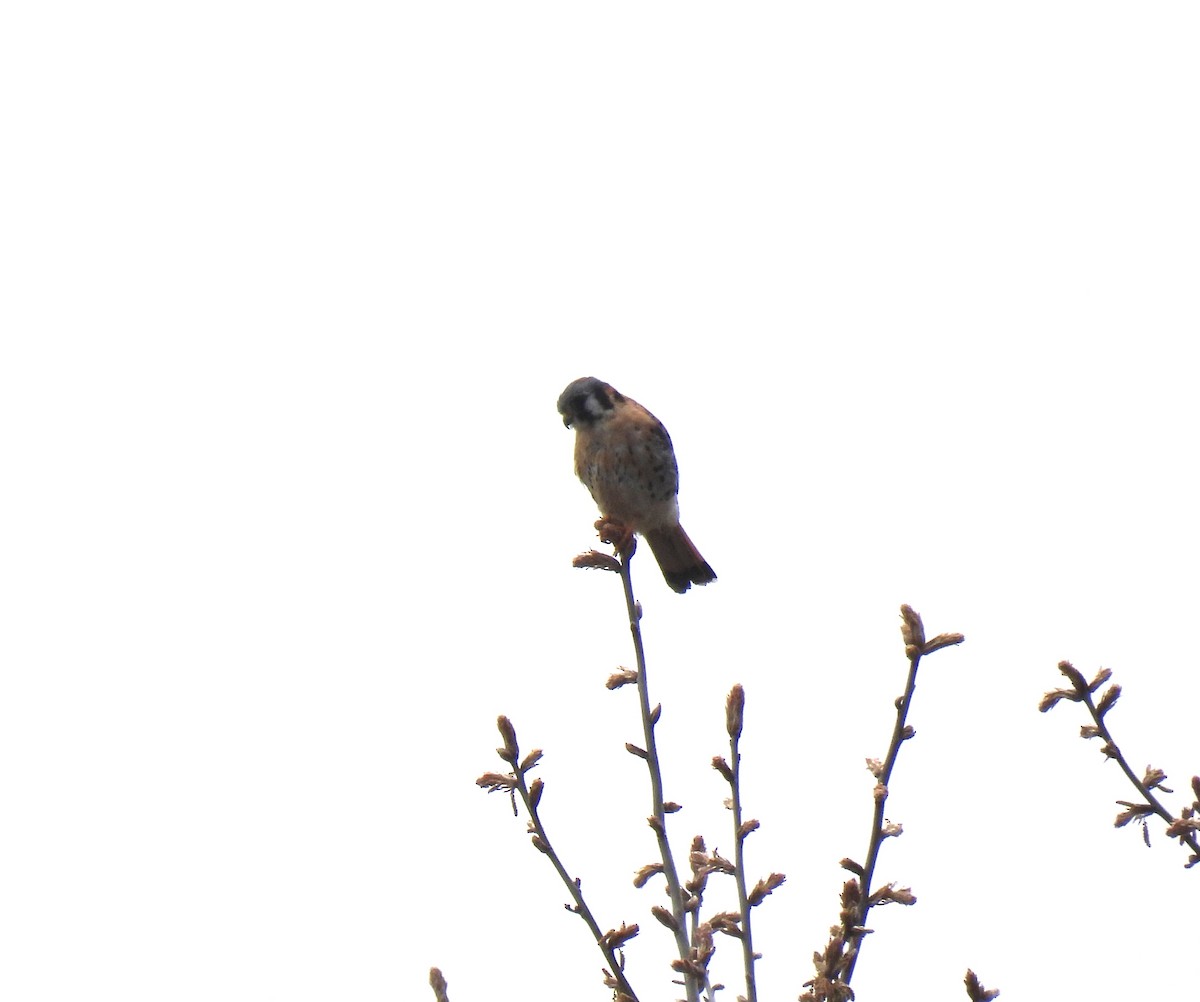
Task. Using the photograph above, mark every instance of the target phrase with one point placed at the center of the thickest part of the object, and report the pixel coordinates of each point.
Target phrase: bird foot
(618, 534)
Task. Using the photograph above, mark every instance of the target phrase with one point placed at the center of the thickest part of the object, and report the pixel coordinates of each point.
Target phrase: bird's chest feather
(629, 466)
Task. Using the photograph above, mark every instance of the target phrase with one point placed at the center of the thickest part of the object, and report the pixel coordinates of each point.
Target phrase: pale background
(290, 291)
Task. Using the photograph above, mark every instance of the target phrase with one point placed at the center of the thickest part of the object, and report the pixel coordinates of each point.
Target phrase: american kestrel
(623, 455)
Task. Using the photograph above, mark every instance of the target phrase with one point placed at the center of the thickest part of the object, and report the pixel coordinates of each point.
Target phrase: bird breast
(629, 466)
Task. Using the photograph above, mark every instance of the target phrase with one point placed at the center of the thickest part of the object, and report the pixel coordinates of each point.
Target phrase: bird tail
(679, 559)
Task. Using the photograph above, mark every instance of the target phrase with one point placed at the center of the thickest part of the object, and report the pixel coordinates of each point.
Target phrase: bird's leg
(618, 534)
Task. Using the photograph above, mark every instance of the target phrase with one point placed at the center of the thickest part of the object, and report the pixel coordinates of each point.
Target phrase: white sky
(290, 292)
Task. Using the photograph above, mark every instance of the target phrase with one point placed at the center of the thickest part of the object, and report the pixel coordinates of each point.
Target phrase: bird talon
(619, 535)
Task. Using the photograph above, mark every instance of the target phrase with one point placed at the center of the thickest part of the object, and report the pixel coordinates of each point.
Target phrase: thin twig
(1081, 691)
(573, 886)
(658, 820)
(899, 734)
(608, 942)
(1113, 752)
(835, 964)
(733, 715)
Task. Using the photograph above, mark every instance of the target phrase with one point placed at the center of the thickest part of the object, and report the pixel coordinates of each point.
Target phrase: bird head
(587, 401)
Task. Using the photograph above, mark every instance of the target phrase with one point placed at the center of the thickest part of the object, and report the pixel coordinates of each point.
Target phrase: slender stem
(1144, 790)
(877, 835)
(581, 909)
(739, 841)
(674, 888)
